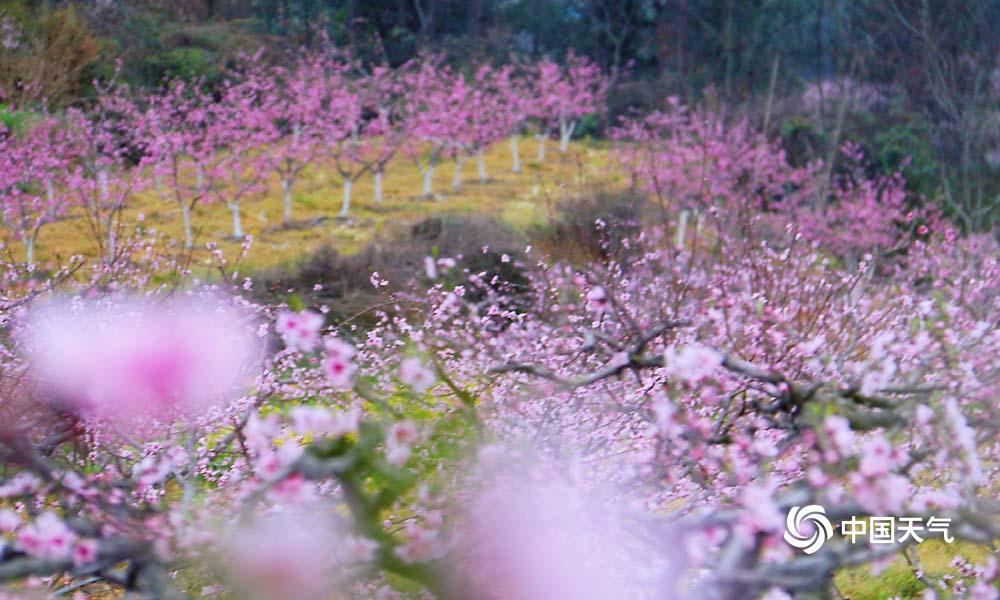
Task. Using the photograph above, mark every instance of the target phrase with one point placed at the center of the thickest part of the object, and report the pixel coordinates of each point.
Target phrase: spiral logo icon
(822, 530)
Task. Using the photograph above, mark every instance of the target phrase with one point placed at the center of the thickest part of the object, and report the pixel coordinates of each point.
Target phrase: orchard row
(196, 145)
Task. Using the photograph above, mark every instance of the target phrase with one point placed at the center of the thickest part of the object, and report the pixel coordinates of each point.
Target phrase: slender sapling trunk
(378, 186)
(515, 153)
(429, 180)
(566, 129)
(348, 187)
(29, 248)
(481, 164)
(286, 187)
(186, 218)
(456, 181)
(237, 222)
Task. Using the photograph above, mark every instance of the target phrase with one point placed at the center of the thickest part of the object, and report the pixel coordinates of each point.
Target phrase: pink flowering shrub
(650, 421)
(695, 161)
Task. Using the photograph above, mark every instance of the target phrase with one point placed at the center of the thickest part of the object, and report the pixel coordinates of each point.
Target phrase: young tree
(344, 132)
(383, 97)
(491, 115)
(33, 166)
(297, 114)
(244, 129)
(460, 133)
(514, 102)
(182, 148)
(100, 176)
(564, 93)
(429, 115)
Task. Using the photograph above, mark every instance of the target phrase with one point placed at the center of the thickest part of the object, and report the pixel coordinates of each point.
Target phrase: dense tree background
(916, 82)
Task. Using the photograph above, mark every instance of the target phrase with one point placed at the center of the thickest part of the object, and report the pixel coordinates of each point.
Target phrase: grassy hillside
(519, 200)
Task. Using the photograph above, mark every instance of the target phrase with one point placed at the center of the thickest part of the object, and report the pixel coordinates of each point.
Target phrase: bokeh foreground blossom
(129, 361)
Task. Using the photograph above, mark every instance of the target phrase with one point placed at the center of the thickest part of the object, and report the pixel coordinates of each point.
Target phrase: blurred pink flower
(48, 537)
(134, 360)
(287, 555)
(876, 456)
(414, 374)
(532, 536)
(692, 362)
(338, 365)
(9, 521)
(300, 330)
(84, 552)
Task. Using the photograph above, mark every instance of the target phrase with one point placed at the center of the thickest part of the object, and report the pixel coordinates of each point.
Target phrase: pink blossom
(597, 299)
(338, 365)
(299, 330)
(321, 421)
(150, 471)
(398, 455)
(9, 520)
(838, 430)
(294, 489)
(931, 500)
(358, 549)
(924, 414)
(981, 590)
(48, 537)
(20, 485)
(259, 431)
(85, 552)
(666, 417)
(413, 373)
(535, 536)
(402, 433)
(422, 545)
(761, 514)
(271, 464)
(129, 361)
(886, 494)
(312, 420)
(692, 362)
(283, 556)
(876, 456)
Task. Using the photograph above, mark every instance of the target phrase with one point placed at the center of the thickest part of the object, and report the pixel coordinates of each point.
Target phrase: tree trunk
(29, 249)
(237, 223)
(102, 182)
(186, 217)
(541, 147)
(682, 229)
(515, 153)
(113, 238)
(345, 208)
(429, 180)
(378, 186)
(456, 182)
(566, 130)
(286, 186)
(200, 178)
(481, 164)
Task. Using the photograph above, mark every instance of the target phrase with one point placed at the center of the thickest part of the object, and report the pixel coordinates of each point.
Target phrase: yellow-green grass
(518, 199)
(898, 580)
